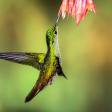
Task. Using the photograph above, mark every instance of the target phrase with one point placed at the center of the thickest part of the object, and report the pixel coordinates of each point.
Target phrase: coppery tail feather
(35, 90)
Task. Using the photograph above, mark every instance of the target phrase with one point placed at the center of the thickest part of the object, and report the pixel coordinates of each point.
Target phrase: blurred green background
(86, 52)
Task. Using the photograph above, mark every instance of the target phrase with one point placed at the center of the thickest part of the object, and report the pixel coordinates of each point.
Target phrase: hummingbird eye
(55, 32)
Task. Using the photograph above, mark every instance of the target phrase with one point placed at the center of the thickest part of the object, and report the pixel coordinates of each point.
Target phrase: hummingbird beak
(57, 20)
(56, 23)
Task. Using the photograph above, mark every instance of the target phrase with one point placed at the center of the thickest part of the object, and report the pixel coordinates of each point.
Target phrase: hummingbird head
(51, 35)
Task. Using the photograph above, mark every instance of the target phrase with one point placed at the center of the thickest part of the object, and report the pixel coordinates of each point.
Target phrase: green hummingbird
(49, 64)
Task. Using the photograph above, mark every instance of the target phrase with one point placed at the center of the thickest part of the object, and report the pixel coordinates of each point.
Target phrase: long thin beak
(56, 23)
(57, 20)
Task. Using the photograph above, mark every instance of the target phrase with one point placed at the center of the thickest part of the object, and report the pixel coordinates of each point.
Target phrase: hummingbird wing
(59, 69)
(32, 59)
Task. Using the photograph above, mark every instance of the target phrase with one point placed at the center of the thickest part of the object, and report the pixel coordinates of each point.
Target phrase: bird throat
(53, 48)
(55, 51)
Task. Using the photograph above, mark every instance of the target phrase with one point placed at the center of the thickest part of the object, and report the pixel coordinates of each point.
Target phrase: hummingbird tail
(35, 90)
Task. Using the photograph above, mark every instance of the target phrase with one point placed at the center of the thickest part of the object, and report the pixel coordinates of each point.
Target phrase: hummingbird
(49, 63)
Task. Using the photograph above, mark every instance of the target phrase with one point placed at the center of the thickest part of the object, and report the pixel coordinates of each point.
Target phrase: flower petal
(91, 6)
(63, 9)
(70, 6)
(79, 10)
(76, 8)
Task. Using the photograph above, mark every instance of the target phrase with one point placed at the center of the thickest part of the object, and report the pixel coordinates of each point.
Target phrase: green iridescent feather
(48, 64)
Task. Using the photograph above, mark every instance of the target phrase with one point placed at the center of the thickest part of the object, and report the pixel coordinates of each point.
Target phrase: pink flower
(76, 8)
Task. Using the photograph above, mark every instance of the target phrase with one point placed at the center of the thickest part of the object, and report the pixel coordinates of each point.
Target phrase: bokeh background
(86, 52)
